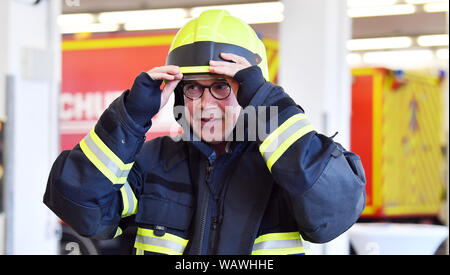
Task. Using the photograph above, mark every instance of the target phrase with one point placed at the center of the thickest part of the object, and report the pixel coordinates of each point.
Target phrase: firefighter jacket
(262, 196)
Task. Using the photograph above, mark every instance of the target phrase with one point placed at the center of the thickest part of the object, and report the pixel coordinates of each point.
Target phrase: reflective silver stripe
(129, 201)
(283, 136)
(147, 240)
(306, 246)
(119, 173)
(278, 244)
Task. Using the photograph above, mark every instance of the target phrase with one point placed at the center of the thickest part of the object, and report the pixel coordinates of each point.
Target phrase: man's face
(212, 119)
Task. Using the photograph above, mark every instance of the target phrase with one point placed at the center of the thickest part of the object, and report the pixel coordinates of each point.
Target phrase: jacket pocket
(162, 226)
(153, 210)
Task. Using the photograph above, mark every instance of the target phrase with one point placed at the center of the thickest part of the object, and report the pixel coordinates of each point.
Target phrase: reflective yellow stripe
(156, 249)
(104, 159)
(194, 69)
(129, 200)
(286, 144)
(287, 133)
(166, 244)
(279, 244)
(99, 165)
(139, 251)
(126, 205)
(279, 251)
(278, 236)
(118, 232)
(167, 236)
(274, 135)
(109, 153)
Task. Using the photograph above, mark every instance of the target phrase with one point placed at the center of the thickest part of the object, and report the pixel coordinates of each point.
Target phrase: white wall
(3, 68)
(32, 76)
(313, 68)
(3, 57)
(314, 72)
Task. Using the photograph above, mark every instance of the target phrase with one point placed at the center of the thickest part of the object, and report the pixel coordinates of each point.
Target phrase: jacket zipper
(209, 169)
(217, 219)
(203, 220)
(214, 223)
(213, 235)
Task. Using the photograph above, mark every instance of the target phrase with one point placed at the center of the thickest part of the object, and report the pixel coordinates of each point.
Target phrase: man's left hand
(228, 68)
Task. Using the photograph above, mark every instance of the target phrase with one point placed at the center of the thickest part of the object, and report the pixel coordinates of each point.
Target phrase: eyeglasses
(193, 90)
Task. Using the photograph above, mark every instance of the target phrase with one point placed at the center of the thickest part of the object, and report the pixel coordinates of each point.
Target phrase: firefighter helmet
(215, 31)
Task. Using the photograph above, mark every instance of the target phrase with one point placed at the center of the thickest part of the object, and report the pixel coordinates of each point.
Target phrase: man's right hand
(169, 73)
(146, 98)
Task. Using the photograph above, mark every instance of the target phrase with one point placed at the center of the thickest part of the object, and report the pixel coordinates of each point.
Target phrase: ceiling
(410, 25)
(115, 5)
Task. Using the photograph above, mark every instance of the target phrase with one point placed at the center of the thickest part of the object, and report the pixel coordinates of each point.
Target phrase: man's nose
(207, 98)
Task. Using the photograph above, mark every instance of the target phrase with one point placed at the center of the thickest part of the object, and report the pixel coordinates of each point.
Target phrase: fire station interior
(374, 71)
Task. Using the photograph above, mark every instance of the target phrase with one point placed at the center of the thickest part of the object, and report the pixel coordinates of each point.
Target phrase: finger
(227, 64)
(179, 76)
(229, 56)
(236, 58)
(217, 64)
(171, 85)
(170, 69)
(224, 70)
(220, 63)
(167, 91)
(237, 66)
(161, 76)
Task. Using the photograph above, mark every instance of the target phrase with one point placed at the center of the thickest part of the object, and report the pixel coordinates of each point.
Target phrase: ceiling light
(88, 28)
(250, 13)
(76, 18)
(381, 10)
(369, 3)
(436, 7)
(379, 43)
(243, 9)
(442, 54)
(433, 40)
(353, 58)
(262, 18)
(418, 2)
(156, 24)
(407, 57)
(142, 15)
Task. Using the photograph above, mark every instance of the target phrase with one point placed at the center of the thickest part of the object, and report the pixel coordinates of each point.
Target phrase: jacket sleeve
(325, 184)
(95, 185)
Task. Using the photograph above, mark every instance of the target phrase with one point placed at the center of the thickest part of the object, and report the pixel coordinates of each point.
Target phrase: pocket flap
(159, 211)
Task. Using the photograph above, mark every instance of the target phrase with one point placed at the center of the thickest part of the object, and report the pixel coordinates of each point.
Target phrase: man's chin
(212, 139)
(213, 142)
(210, 135)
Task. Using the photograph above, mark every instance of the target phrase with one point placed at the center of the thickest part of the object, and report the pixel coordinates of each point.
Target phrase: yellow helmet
(215, 31)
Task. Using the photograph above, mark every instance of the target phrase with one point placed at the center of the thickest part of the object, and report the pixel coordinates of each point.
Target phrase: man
(215, 189)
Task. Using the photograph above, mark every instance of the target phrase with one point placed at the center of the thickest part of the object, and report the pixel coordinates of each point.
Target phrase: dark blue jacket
(263, 196)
